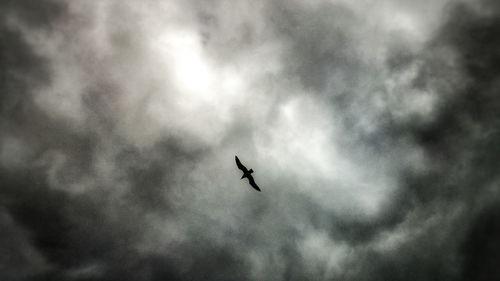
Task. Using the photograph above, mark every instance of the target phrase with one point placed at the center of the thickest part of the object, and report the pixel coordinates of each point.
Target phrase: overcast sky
(372, 128)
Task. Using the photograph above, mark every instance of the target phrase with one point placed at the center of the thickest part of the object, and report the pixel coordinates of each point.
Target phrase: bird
(246, 173)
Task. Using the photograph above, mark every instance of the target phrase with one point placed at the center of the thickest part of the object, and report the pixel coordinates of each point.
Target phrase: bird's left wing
(240, 166)
(252, 183)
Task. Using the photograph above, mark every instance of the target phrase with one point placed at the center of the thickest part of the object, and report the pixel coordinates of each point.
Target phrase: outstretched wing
(252, 182)
(240, 166)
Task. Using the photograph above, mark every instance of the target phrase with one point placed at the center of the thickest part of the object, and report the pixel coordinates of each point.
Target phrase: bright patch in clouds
(304, 143)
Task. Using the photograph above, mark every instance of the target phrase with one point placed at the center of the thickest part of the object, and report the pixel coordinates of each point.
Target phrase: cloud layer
(372, 127)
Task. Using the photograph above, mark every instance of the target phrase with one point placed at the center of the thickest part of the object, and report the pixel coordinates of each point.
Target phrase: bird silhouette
(246, 173)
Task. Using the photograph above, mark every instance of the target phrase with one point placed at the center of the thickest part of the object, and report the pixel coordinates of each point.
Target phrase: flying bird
(246, 173)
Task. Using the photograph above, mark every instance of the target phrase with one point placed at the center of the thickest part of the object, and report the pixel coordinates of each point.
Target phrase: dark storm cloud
(463, 137)
(375, 145)
(320, 41)
(470, 138)
(21, 68)
(481, 248)
(39, 14)
(462, 141)
(21, 71)
(43, 229)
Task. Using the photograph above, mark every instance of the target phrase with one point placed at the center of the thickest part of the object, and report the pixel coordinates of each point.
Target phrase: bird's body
(246, 173)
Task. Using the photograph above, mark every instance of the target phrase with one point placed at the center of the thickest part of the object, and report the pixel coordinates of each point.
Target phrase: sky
(372, 128)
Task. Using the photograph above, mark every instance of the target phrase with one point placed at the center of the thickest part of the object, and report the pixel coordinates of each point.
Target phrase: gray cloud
(372, 128)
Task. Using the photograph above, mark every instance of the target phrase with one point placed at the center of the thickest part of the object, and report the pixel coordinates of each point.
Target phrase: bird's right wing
(252, 183)
(240, 166)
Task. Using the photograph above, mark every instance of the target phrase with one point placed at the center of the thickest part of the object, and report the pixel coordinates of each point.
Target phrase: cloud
(371, 126)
